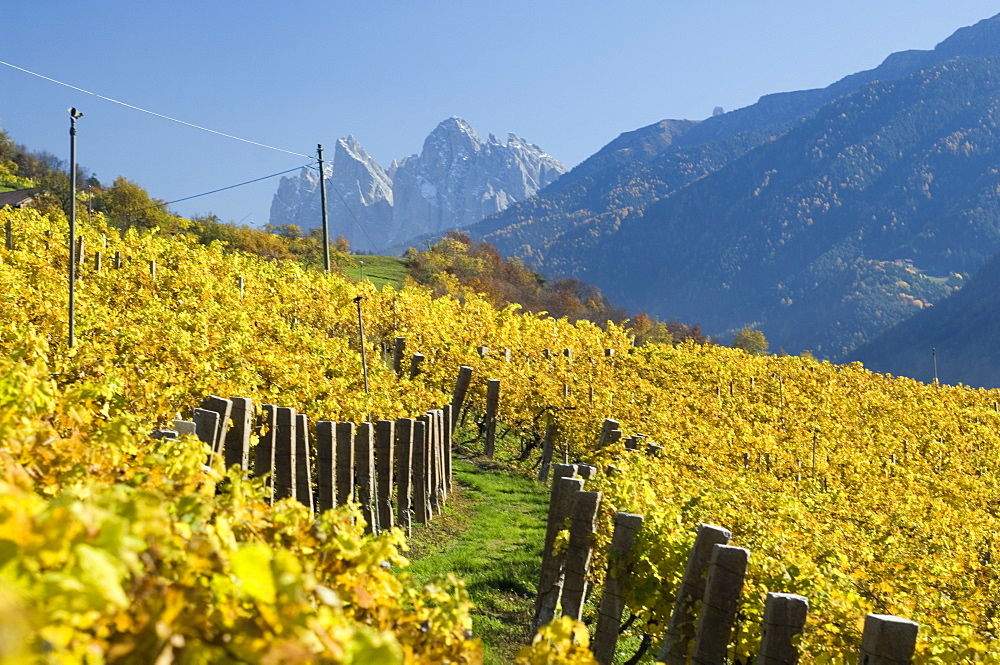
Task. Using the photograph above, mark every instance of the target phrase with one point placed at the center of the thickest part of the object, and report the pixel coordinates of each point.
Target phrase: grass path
(490, 535)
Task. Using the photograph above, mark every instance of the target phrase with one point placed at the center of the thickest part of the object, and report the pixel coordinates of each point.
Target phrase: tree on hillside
(648, 330)
(752, 341)
(127, 205)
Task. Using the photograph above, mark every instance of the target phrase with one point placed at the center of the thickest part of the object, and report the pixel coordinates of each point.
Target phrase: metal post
(74, 115)
(322, 199)
(361, 334)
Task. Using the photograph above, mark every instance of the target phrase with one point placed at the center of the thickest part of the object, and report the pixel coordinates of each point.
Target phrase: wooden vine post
(462, 383)
(606, 429)
(223, 407)
(206, 424)
(433, 464)
(416, 362)
(284, 453)
(440, 454)
(421, 512)
(450, 414)
(398, 350)
(548, 448)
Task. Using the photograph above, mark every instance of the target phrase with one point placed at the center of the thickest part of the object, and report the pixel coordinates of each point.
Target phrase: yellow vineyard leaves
(861, 491)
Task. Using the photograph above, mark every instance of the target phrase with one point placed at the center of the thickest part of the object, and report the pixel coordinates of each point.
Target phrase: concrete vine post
(550, 582)
(583, 516)
(303, 463)
(680, 631)
(888, 640)
(345, 463)
(723, 587)
(364, 459)
(237, 447)
(264, 455)
(404, 471)
(784, 618)
(609, 613)
(326, 465)
(385, 444)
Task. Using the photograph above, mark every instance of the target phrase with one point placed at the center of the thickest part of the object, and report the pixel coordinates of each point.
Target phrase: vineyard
(864, 493)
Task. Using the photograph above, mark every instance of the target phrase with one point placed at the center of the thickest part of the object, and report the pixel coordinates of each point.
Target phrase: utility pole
(322, 198)
(74, 115)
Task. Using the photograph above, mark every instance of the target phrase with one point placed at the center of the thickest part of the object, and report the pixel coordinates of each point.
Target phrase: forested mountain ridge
(828, 235)
(690, 180)
(594, 196)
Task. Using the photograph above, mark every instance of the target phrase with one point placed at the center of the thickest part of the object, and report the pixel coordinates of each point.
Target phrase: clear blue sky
(566, 75)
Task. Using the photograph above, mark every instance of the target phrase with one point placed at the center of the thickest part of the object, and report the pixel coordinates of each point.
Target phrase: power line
(222, 189)
(158, 115)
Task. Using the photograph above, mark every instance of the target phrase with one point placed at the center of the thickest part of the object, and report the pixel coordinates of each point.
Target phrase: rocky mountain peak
(456, 180)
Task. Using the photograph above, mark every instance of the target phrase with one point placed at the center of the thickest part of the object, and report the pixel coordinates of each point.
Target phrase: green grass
(491, 535)
(379, 270)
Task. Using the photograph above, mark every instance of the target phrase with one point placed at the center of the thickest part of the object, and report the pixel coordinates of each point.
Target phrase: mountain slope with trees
(684, 193)
(842, 227)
